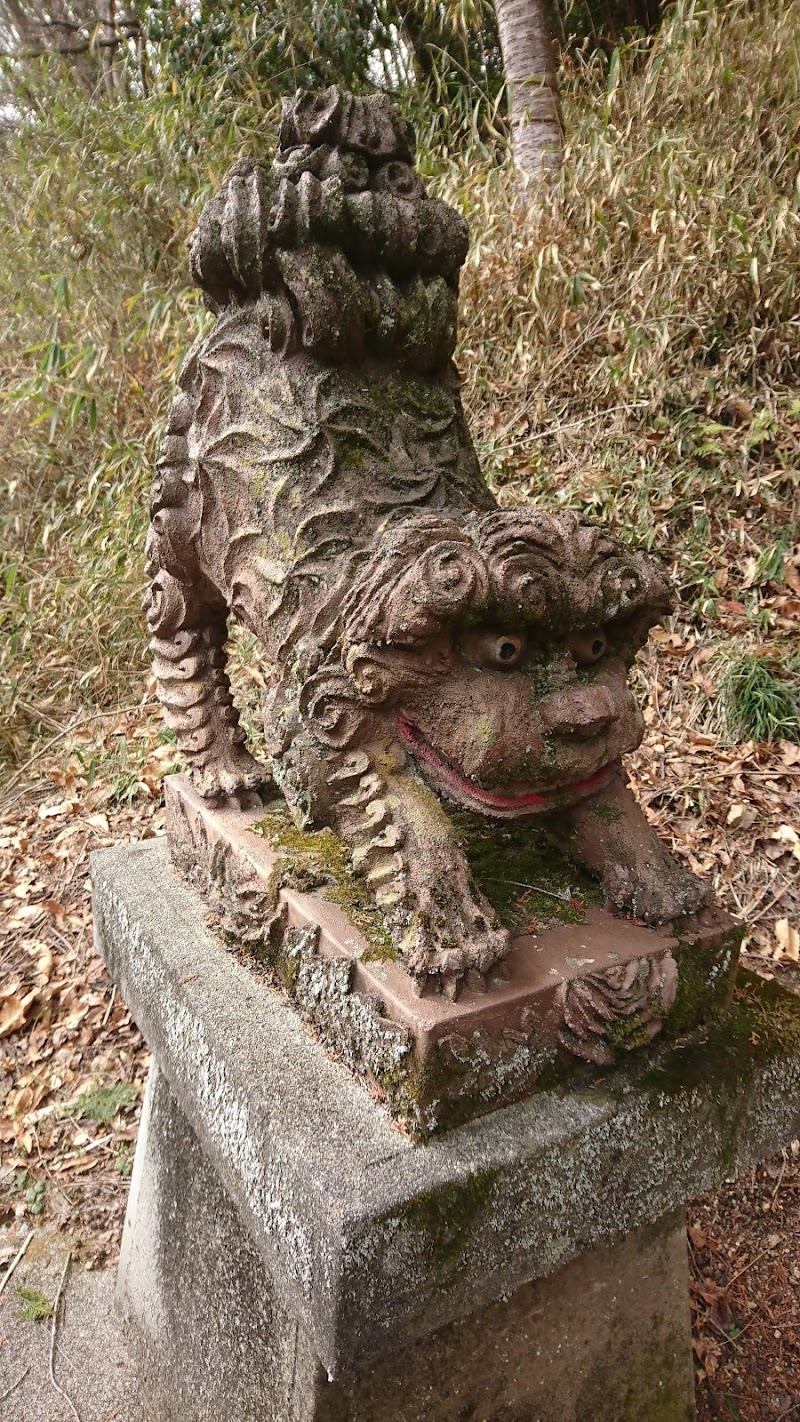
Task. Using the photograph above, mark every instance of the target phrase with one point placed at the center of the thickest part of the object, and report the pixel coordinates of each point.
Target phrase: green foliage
(123, 1160)
(102, 1103)
(35, 1305)
(603, 22)
(274, 48)
(761, 696)
(35, 1197)
(95, 209)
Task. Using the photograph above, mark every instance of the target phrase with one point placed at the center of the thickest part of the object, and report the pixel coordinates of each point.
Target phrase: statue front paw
(658, 891)
(453, 933)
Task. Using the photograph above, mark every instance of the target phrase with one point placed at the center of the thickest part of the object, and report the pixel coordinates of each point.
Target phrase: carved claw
(451, 986)
(234, 775)
(446, 946)
(476, 981)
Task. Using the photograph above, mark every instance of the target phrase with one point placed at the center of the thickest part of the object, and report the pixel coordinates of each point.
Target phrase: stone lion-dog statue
(423, 648)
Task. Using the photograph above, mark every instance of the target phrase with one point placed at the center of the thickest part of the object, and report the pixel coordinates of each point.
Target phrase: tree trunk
(108, 42)
(529, 63)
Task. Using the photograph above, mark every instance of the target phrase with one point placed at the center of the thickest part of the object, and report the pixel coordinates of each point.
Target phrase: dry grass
(95, 208)
(633, 346)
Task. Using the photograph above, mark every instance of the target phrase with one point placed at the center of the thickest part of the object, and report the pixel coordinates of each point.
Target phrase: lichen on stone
(350, 1024)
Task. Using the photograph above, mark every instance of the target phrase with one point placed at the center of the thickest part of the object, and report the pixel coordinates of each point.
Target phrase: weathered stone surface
(91, 1362)
(588, 989)
(606, 1339)
(421, 647)
(372, 1242)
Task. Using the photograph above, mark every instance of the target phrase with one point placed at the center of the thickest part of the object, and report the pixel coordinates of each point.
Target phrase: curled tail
(337, 240)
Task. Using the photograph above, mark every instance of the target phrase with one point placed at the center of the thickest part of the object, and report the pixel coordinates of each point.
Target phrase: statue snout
(580, 713)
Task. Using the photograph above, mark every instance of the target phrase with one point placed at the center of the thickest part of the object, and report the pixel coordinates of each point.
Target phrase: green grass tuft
(102, 1103)
(761, 697)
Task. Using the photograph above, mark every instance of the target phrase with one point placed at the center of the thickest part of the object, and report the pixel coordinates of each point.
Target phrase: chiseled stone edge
(378, 1241)
(253, 1085)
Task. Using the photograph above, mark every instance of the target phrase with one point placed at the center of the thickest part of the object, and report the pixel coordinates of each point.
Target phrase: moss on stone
(449, 1217)
(310, 860)
(626, 1034)
(705, 980)
(525, 876)
(719, 1062)
(609, 814)
(762, 1022)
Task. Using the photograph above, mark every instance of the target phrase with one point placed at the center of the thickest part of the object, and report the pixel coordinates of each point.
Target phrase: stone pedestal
(290, 1255)
(580, 986)
(215, 1341)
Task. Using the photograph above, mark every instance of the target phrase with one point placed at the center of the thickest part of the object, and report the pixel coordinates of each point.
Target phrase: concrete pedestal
(290, 1256)
(606, 1339)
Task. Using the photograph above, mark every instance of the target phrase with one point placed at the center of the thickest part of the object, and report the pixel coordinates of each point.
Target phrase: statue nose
(580, 713)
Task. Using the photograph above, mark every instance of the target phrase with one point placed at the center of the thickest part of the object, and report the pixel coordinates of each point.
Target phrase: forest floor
(73, 1065)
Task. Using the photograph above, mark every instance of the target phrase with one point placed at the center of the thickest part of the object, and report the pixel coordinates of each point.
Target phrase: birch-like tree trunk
(107, 39)
(529, 64)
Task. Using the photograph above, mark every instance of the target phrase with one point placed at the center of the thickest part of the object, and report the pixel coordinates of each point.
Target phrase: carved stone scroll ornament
(617, 1009)
(317, 482)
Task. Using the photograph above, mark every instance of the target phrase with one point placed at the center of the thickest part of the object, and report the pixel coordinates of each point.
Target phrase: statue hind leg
(189, 629)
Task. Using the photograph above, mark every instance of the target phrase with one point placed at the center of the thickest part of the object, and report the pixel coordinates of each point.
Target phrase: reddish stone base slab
(568, 995)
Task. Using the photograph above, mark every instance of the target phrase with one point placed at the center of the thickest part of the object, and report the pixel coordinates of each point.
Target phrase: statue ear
(370, 677)
(331, 708)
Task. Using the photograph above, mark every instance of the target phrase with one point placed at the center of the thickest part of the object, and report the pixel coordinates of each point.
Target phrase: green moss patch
(609, 814)
(705, 979)
(449, 1217)
(311, 860)
(525, 876)
(762, 1023)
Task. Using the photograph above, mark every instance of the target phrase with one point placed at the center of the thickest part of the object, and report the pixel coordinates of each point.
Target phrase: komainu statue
(424, 649)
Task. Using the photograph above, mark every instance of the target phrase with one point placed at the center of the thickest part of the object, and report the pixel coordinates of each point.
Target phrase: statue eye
(502, 650)
(508, 651)
(588, 647)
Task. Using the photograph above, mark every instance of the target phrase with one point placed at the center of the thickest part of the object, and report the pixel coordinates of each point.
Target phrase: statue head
(496, 651)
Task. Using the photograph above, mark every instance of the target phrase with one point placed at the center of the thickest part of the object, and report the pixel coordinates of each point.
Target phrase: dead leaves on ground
(745, 1294)
(731, 811)
(63, 1029)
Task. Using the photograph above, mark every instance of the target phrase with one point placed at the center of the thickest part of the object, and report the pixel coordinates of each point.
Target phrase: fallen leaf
(14, 1011)
(62, 807)
(789, 837)
(788, 940)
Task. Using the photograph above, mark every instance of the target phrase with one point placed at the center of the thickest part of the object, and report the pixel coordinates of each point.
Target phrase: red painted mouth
(423, 751)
